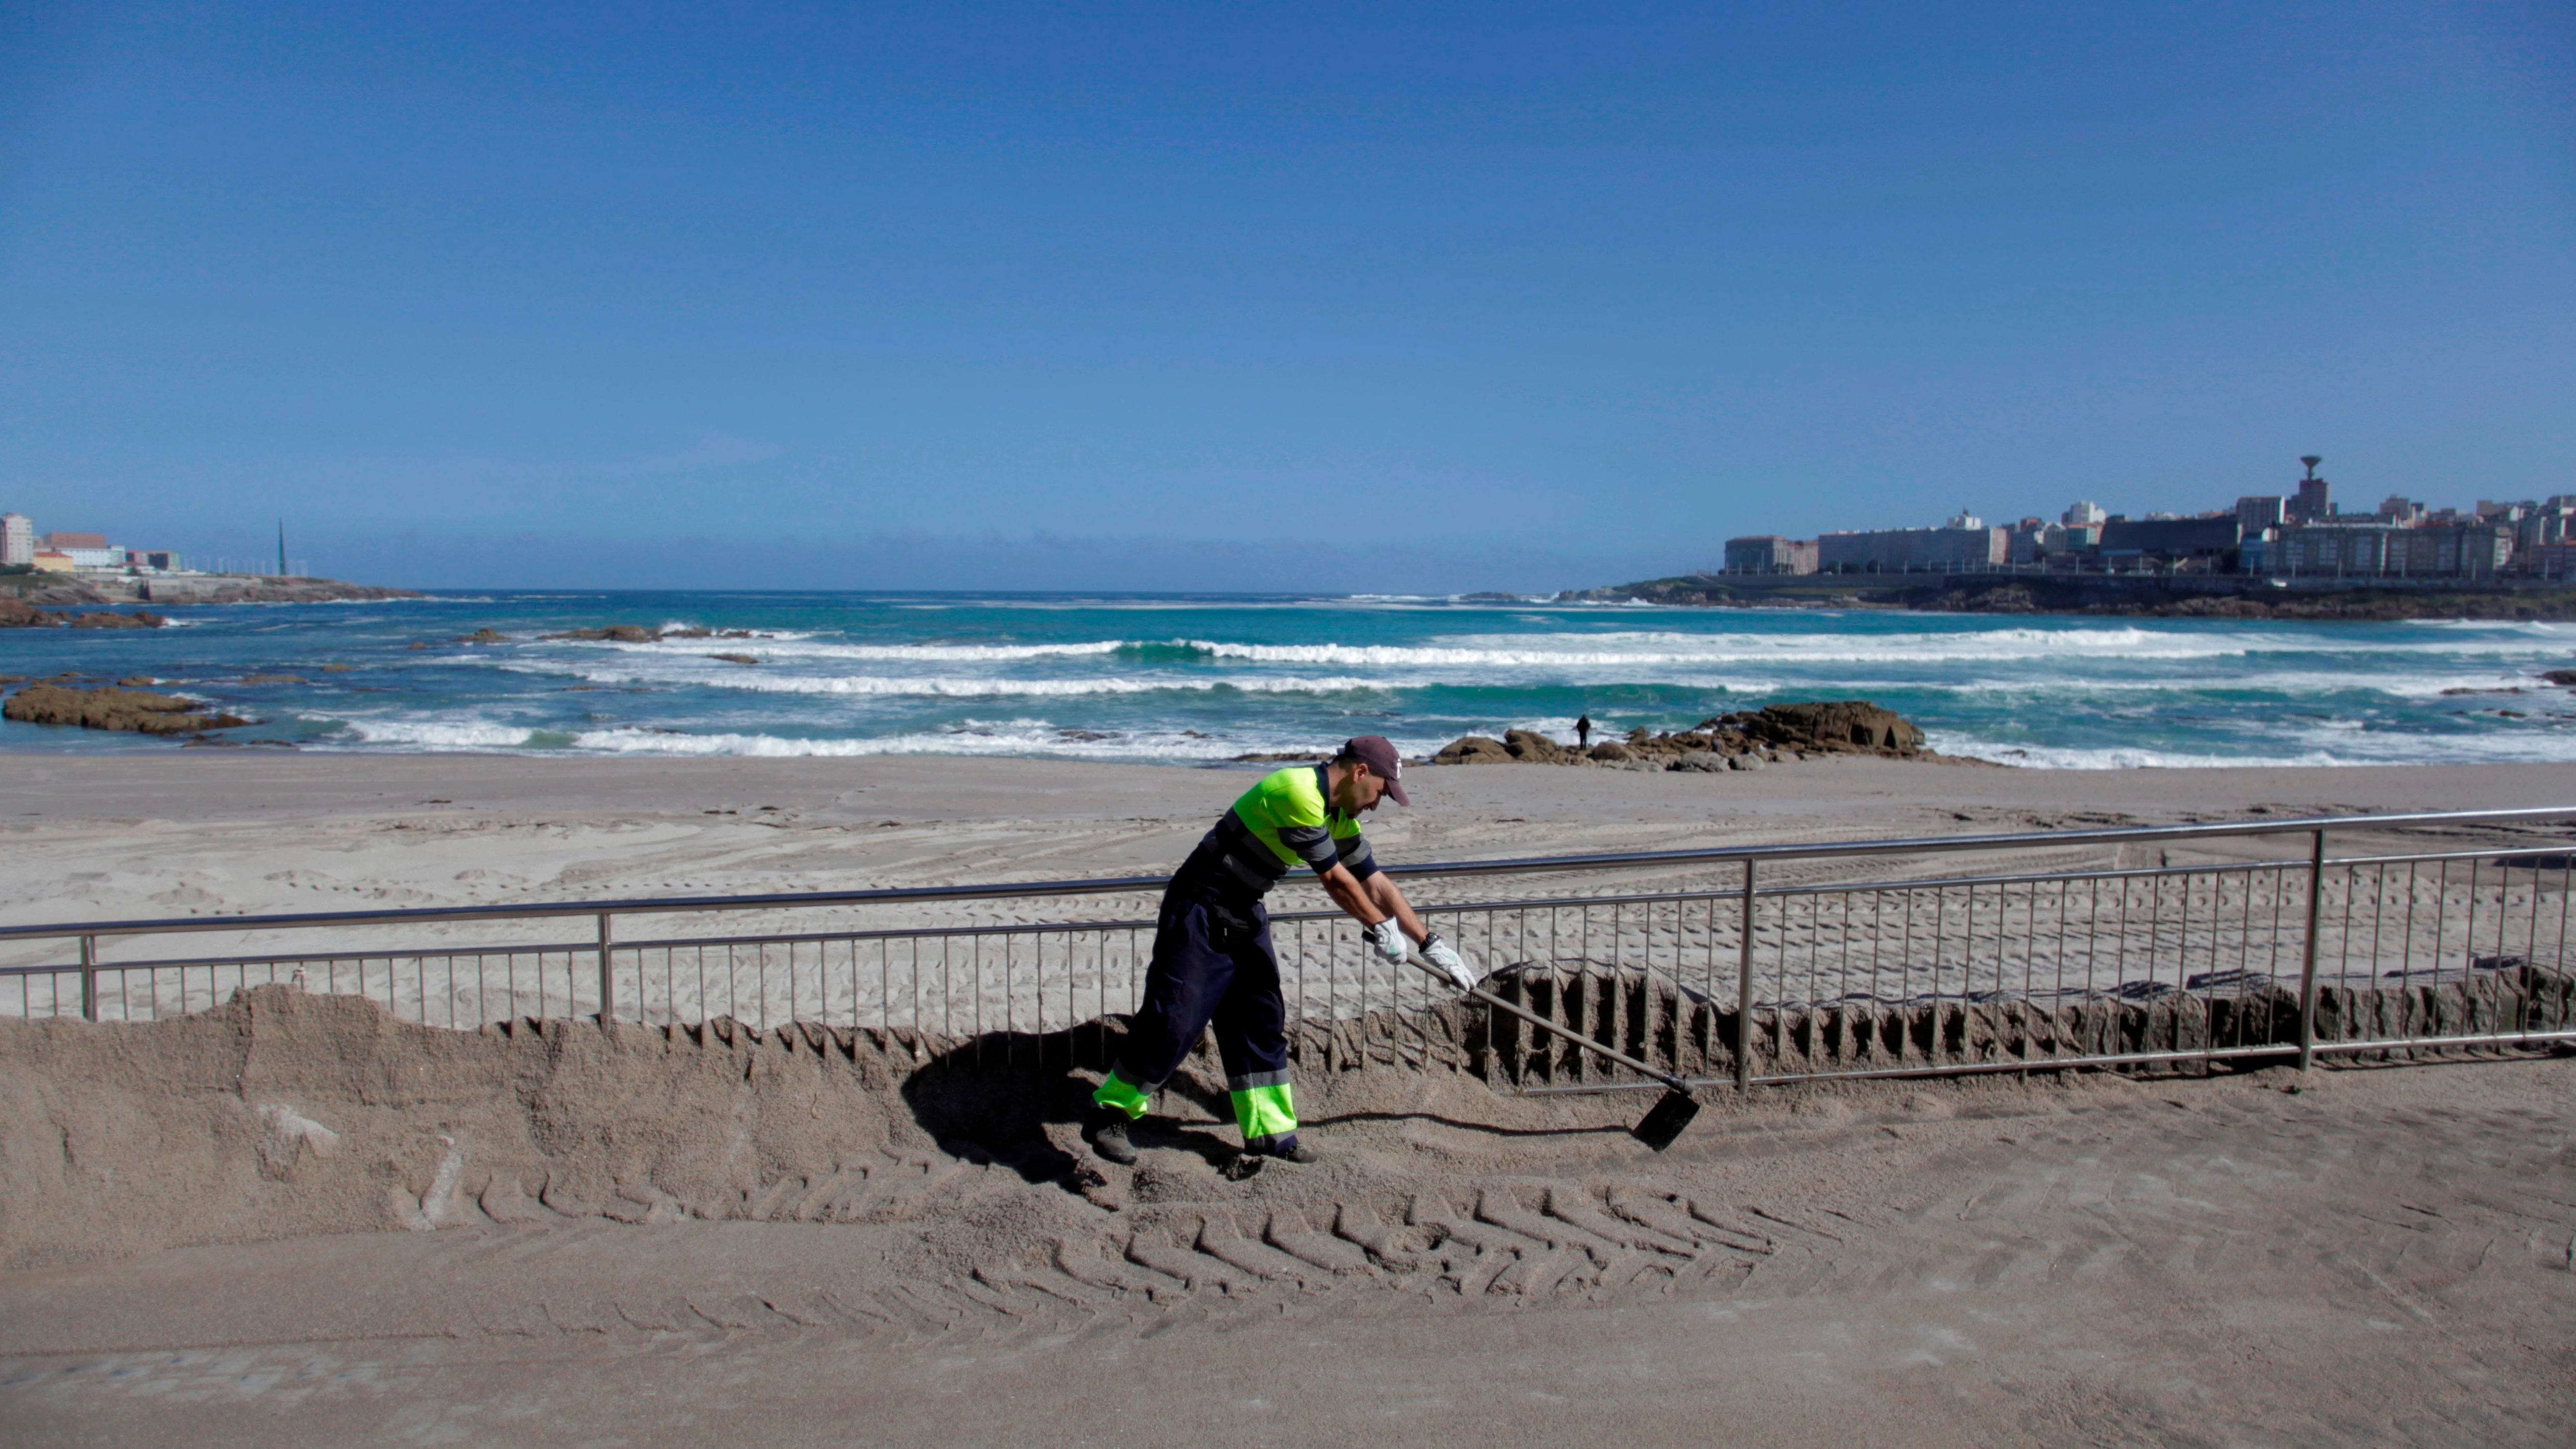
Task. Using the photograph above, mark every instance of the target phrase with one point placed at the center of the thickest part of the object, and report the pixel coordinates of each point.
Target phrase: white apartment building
(17, 539)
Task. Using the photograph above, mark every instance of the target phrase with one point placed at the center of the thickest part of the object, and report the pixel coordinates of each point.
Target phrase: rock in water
(616, 634)
(113, 709)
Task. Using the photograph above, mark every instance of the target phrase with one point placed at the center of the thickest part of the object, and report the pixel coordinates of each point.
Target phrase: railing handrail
(1119, 885)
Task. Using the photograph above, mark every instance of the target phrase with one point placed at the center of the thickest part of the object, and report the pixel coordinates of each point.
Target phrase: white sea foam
(2338, 742)
(2125, 757)
(1642, 650)
(1035, 739)
(987, 686)
(801, 647)
(440, 734)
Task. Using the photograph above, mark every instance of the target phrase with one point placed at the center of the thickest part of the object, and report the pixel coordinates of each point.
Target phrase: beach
(292, 1218)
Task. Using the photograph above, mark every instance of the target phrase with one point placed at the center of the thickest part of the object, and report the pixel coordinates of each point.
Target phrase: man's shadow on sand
(992, 1099)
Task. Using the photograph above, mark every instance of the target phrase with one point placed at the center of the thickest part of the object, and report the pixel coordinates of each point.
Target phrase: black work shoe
(1295, 1152)
(1108, 1134)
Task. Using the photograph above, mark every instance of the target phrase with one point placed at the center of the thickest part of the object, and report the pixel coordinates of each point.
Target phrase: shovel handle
(1567, 1032)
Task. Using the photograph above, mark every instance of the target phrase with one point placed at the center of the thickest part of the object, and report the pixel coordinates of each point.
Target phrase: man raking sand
(1213, 963)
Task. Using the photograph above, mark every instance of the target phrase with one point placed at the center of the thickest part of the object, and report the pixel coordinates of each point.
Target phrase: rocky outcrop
(613, 634)
(17, 614)
(114, 709)
(1474, 750)
(638, 634)
(2560, 676)
(1828, 726)
(1740, 741)
(247, 589)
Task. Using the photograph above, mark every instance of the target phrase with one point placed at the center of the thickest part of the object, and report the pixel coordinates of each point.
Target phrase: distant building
(52, 561)
(1964, 519)
(155, 560)
(2392, 550)
(1769, 553)
(2031, 541)
(2082, 515)
(75, 540)
(1908, 550)
(2315, 498)
(2259, 512)
(2164, 544)
(17, 540)
(2554, 561)
(2550, 523)
(96, 560)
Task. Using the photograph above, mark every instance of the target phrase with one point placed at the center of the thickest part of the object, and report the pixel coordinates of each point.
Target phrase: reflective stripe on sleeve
(1312, 843)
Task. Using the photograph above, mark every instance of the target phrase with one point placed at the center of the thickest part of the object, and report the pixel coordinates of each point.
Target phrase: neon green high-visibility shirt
(1286, 818)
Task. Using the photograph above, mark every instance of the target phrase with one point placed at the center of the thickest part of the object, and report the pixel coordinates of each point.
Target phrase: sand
(565, 1235)
(297, 1220)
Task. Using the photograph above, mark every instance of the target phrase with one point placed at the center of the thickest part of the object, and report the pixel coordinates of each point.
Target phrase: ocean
(1203, 679)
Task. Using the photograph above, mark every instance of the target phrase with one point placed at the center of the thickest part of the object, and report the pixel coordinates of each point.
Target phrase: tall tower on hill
(2315, 498)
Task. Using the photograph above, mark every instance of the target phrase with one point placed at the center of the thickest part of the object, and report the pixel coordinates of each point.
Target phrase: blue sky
(1259, 296)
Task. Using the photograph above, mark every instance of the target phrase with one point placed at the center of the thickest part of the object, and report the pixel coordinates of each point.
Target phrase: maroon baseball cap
(1382, 760)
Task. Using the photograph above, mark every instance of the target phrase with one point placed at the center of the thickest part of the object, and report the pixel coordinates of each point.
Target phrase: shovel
(1661, 1126)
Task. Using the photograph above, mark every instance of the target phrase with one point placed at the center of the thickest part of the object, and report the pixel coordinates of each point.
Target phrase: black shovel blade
(1664, 1125)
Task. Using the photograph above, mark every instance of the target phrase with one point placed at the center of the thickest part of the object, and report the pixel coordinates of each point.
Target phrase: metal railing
(1741, 964)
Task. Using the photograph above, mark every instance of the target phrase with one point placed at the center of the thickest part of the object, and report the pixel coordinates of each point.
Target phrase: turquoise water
(1202, 679)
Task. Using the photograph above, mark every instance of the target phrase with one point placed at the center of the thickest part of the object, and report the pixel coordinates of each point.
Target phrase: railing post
(89, 978)
(1744, 990)
(607, 978)
(2308, 953)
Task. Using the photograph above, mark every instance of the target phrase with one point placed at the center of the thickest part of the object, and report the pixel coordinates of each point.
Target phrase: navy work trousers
(1209, 970)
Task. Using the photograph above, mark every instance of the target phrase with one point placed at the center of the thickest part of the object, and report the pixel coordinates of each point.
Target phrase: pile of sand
(284, 1113)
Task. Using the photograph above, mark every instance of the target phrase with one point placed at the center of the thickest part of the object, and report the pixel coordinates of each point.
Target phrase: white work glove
(1445, 956)
(1386, 940)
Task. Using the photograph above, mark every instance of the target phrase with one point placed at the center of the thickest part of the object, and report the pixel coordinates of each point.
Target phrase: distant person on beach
(1213, 961)
(1583, 732)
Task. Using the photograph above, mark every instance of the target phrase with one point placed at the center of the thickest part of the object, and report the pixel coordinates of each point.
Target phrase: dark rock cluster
(1740, 741)
(627, 634)
(18, 614)
(114, 709)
